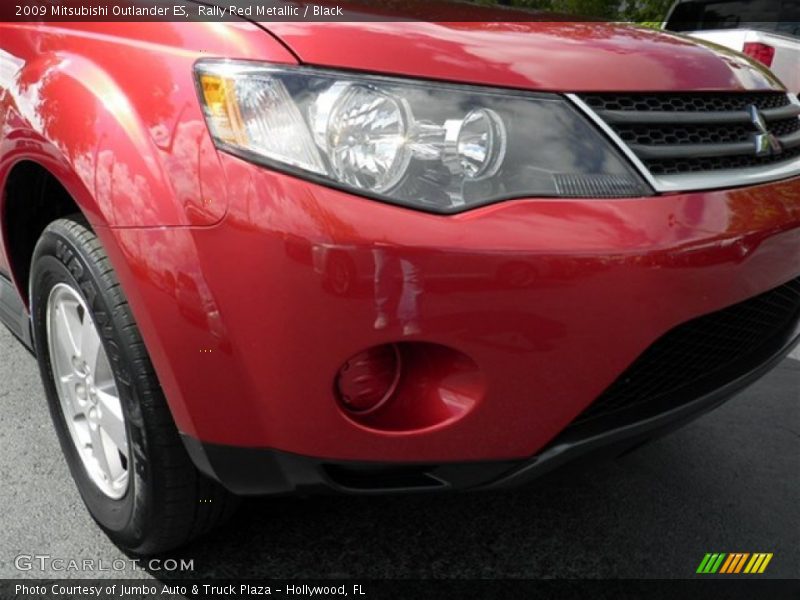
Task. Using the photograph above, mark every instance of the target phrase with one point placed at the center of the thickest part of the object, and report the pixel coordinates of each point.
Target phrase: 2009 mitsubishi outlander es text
(270, 258)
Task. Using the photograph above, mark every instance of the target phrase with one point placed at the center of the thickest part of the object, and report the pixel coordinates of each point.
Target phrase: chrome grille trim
(606, 120)
(621, 145)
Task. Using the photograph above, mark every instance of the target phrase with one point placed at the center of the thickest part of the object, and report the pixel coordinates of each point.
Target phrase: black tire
(167, 502)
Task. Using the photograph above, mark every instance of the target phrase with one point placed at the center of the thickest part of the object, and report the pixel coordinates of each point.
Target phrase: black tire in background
(167, 502)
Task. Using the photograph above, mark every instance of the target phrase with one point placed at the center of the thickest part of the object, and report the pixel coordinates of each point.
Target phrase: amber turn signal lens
(222, 108)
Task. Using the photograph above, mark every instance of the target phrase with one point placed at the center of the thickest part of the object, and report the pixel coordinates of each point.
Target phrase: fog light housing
(368, 380)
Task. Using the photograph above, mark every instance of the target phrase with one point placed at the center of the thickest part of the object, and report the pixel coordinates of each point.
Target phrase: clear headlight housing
(431, 146)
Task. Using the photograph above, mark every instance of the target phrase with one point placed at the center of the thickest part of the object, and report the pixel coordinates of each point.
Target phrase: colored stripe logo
(734, 563)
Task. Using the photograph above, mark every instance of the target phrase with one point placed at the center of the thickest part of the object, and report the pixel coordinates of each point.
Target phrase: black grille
(673, 134)
(674, 166)
(690, 102)
(698, 356)
(699, 134)
(784, 127)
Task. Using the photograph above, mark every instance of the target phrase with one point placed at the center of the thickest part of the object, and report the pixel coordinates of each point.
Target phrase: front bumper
(249, 321)
(248, 471)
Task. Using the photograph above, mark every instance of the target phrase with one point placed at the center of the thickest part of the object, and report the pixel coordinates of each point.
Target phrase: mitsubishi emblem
(766, 143)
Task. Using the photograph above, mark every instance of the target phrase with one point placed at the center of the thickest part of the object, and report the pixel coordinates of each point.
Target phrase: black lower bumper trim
(257, 471)
(13, 314)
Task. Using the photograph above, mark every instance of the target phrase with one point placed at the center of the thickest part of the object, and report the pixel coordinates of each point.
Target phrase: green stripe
(711, 562)
(702, 566)
(718, 563)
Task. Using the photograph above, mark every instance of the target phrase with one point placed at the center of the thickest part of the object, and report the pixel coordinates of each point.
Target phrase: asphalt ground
(728, 482)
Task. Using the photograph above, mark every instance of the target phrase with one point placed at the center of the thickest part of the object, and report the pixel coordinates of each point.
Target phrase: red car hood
(556, 56)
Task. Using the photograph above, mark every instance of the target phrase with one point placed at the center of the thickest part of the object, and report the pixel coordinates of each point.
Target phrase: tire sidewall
(60, 258)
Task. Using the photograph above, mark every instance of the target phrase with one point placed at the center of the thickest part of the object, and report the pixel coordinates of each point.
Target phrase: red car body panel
(544, 56)
(111, 110)
(582, 273)
(549, 300)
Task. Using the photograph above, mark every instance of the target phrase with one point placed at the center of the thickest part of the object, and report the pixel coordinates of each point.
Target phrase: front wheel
(109, 412)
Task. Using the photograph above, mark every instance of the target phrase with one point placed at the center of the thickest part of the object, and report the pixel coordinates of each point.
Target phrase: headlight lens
(438, 147)
(365, 138)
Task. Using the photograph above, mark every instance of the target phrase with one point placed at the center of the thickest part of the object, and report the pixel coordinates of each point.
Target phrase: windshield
(776, 16)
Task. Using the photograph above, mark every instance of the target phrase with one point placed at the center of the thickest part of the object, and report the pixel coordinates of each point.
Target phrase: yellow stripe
(765, 563)
(740, 564)
(753, 563)
(728, 561)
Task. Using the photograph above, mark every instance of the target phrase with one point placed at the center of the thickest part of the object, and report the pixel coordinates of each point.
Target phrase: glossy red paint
(532, 291)
(556, 56)
(252, 287)
(111, 110)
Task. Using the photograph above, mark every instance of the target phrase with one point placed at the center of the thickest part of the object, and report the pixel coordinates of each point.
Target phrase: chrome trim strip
(704, 180)
(727, 178)
(621, 145)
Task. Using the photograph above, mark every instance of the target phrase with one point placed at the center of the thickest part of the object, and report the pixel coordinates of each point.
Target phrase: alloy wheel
(88, 394)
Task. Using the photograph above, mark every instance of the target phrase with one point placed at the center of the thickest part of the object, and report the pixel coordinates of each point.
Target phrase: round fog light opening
(368, 380)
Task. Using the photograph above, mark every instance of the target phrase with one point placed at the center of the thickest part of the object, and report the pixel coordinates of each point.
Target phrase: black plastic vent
(596, 186)
(699, 356)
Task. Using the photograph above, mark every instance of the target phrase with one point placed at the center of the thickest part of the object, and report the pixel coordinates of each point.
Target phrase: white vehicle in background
(766, 30)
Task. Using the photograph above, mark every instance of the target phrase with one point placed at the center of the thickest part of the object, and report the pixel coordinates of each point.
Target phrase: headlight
(432, 146)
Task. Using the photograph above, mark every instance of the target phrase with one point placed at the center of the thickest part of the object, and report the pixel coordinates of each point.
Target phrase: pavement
(727, 482)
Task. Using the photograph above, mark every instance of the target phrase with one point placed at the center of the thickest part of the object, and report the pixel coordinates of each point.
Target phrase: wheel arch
(32, 198)
(129, 156)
